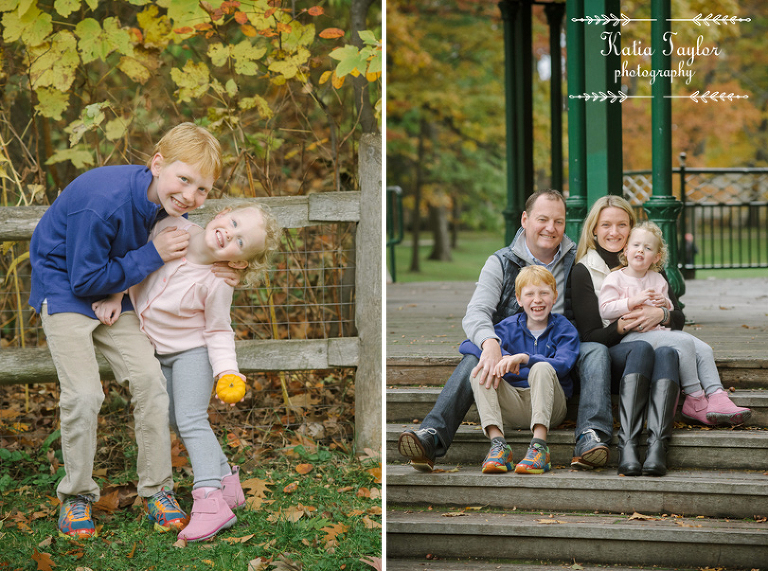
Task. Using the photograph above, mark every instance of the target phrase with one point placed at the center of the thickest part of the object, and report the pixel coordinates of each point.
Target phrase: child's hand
(510, 364)
(641, 298)
(171, 243)
(108, 310)
(230, 389)
(227, 273)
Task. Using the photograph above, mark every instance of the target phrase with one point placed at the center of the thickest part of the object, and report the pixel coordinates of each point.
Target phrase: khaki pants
(543, 403)
(72, 340)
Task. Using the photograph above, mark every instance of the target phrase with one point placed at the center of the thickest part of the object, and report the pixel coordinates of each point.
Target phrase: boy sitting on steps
(539, 349)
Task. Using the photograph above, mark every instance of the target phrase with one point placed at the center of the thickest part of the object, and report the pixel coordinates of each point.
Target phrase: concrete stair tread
(480, 565)
(619, 539)
(711, 493)
(406, 404)
(701, 448)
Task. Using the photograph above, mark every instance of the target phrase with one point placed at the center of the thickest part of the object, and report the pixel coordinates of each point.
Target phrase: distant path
(424, 319)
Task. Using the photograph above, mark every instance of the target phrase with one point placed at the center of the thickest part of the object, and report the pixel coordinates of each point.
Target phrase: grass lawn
(475, 247)
(313, 509)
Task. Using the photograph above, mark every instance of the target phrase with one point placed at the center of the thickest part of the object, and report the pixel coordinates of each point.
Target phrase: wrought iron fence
(724, 220)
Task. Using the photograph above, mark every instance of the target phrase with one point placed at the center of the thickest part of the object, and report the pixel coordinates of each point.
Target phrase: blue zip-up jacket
(557, 345)
(92, 241)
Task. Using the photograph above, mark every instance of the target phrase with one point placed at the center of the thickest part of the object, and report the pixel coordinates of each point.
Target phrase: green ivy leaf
(66, 7)
(219, 54)
(79, 157)
(368, 37)
(291, 65)
(51, 102)
(231, 87)
(192, 80)
(246, 55)
(54, 63)
(92, 4)
(92, 44)
(117, 37)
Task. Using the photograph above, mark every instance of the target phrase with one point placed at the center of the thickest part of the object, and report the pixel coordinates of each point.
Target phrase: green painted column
(554, 13)
(513, 210)
(576, 203)
(663, 208)
(603, 118)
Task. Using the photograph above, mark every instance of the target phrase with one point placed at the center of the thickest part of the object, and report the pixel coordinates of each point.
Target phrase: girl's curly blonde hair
(259, 262)
(652, 228)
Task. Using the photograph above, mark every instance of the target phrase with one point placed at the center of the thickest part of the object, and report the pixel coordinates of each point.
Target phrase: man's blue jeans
(452, 404)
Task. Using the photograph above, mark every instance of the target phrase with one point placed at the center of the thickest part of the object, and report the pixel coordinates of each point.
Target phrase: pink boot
(695, 408)
(720, 410)
(210, 514)
(232, 490)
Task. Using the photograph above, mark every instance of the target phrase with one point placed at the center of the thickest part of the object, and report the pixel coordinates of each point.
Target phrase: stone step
(435, 564)
(412, 404)
(710, 493)
(739, 373)
(698, 448)
(567, 537)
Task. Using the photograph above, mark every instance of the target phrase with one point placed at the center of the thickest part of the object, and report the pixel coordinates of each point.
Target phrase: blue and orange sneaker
(164, 510)
(536, 461)
(499, 458)
(75, 521)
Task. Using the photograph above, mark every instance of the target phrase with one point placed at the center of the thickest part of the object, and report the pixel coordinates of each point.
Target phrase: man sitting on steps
(540, 241)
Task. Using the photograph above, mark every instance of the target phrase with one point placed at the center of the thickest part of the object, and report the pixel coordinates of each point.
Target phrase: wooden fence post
(368, 291)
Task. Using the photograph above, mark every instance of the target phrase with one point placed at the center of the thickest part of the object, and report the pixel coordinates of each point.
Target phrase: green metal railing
(395, 231)
(724, 219)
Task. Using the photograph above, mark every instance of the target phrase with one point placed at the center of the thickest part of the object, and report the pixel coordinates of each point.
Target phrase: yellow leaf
(325, 77)
(66, 7)
(333, 531)
(337, 81)
(193, 80)
(51, 102)
(54, 63)
(157, 29)
(116, 128)
(256, 487)
(376, 473)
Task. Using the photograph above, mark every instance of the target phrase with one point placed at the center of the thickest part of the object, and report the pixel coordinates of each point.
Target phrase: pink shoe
(721, 410)
(210, 514)
(232, 490)
(695, 408)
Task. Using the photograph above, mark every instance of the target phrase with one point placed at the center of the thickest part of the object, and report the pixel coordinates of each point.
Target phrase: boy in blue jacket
(539, 348)
(92, 242)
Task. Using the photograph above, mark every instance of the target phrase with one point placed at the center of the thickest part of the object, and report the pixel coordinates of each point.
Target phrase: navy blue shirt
(92, 241)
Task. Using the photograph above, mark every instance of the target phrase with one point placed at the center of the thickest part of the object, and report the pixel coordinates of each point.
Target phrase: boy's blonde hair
(587, 241)
(649, 226)
(193, 145)
(534, 275)
(260, 260)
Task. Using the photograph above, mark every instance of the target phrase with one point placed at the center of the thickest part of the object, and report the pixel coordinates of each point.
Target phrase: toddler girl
(184, 309)
(639, 282)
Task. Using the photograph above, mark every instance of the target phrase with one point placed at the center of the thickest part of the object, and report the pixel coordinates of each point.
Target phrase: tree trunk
(456, 215)
(416, 222)
(438, 222)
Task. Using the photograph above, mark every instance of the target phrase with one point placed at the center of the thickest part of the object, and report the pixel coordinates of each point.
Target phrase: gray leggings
(190, 383)
(697, 360)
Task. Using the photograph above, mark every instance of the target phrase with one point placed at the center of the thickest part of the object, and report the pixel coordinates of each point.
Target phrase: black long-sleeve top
(586, 310)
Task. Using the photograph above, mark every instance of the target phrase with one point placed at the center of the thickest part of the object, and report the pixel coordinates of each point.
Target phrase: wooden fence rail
(35, 365)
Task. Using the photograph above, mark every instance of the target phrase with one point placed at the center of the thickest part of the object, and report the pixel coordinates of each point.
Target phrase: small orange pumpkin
(230, 388)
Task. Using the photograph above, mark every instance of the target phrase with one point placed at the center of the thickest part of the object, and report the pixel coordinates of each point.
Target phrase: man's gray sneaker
(590, 452)
(419, 447)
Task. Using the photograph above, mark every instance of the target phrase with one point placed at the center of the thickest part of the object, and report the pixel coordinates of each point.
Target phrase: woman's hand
(644, 318)
(227, 273)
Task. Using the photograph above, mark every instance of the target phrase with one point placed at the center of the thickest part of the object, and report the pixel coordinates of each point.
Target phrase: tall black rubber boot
(662, 404)
(633, 398)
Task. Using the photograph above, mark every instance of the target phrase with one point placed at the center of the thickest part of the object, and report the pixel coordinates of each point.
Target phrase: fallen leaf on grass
(290, 488)
(374, 562)
(286, 564)
(304, 468)
(43, 560)
(370, 524)
(257, 564)
(376, 473)
(233, 540)
(332, 532)
(108, 502)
